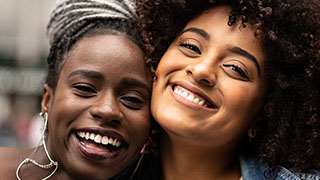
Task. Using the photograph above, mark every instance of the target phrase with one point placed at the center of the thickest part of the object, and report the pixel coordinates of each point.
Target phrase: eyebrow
(244, 53)
(198, 31)
(233, 49)
(89, 73)
(135, 83)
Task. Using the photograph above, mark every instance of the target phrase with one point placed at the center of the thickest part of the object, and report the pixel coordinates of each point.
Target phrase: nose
(202, 71)
(106, 109)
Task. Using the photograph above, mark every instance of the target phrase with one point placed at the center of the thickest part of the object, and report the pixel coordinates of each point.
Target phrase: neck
(181, 160)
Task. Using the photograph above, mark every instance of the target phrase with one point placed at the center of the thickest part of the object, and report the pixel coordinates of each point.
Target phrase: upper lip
(196, 91)
(104, 132)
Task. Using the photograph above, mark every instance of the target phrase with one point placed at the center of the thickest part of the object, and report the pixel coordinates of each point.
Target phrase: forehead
(214, 21)
(109, 54)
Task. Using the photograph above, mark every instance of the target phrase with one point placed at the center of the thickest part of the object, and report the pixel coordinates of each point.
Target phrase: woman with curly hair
(236, 92)
(96, 96)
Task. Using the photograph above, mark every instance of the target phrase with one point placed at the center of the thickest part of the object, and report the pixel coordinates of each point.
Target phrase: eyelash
(85, 90)
(132, 102)
(237, 69)
(191, 46)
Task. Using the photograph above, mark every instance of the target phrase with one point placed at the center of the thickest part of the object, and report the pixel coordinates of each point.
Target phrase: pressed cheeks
(99, 116)
(212, 79)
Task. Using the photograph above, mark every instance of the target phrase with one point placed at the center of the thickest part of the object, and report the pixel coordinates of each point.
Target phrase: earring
(42, 166)
(252, 134)
(139, 161)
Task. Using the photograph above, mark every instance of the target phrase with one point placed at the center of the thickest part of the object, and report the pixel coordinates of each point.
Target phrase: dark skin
(290, 31)
(204, 63)
(91, 96)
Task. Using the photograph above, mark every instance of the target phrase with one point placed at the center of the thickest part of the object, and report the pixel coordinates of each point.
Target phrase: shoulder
(9, 160)
(251, 168)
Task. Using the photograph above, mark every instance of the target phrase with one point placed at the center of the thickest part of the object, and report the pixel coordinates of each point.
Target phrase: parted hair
(289, 134)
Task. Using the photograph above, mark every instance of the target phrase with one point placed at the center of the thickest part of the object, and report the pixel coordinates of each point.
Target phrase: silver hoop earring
(142, 152)
(42, 166)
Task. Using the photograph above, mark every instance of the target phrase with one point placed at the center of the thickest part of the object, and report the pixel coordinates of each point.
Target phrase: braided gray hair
(72, 20)
(70, 12)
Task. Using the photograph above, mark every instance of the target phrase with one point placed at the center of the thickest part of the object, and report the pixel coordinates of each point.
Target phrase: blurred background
(23, 50)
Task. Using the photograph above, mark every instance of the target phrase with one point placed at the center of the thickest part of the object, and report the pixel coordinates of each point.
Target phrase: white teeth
(87, 135)
(92, 136)
(99, 139)
(196, 100)
(184, 94)
(110, 141)
(190, 97)
(118, 144)
(81, 134)
(105, 140)
(114, 142)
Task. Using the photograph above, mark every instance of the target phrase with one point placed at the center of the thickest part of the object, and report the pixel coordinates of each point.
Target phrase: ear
(257, 124)
(47, 98)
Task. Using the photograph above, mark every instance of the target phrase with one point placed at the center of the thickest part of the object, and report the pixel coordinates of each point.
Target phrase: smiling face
(210, 82)
(99, 115)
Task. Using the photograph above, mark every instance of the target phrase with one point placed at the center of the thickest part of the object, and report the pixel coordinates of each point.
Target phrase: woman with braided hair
(236, 91)
(96, 96)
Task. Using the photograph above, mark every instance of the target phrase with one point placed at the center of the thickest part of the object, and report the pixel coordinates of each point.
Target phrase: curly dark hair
(86, 28)
(290, 31)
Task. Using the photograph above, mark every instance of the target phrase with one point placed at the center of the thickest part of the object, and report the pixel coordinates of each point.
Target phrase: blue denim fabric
(251, 169)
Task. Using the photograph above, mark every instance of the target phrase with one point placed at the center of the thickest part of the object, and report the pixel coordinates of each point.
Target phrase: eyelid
(128, 98)
(191, 44)
(191, 47)
(84, 89)
(243, 73)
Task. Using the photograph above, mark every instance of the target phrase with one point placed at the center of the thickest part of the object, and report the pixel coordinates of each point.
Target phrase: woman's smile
(100, 117)
(191, 96)
(99, 144)
(210, 81)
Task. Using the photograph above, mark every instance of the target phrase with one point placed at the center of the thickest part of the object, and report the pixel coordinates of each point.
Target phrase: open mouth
(193, 97)
(99, 143)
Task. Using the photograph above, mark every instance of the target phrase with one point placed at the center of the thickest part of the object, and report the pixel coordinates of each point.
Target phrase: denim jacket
(251, 169)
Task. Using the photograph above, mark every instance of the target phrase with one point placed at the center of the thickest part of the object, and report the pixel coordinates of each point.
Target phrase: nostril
(189, 72)
(207, 82)
(114, 122)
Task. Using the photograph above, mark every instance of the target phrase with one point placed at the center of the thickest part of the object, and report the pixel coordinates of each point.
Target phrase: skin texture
(201, 139)
(104, 86)
(290, 32)
(101, 102)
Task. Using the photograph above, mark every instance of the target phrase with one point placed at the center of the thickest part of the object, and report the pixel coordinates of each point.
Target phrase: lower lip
(187, 103)
(94, 154)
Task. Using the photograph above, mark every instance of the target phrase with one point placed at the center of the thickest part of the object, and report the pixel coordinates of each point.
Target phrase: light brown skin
(103, 101)
(200, 143)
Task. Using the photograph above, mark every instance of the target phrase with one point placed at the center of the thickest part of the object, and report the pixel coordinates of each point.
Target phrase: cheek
(242, 100)
(139, 123)
(64, 110)
(168, 63)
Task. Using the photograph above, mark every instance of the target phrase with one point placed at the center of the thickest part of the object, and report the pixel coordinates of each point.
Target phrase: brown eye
(132, 102)
(237, 69)
(191, 46)
(84, 90)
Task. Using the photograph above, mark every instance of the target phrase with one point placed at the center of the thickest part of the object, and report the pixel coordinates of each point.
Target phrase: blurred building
(23, 51)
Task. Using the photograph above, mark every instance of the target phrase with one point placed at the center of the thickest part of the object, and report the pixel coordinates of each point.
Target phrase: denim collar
(252, 169)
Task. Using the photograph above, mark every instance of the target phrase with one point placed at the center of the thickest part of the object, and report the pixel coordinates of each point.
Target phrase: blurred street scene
(23, 51)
